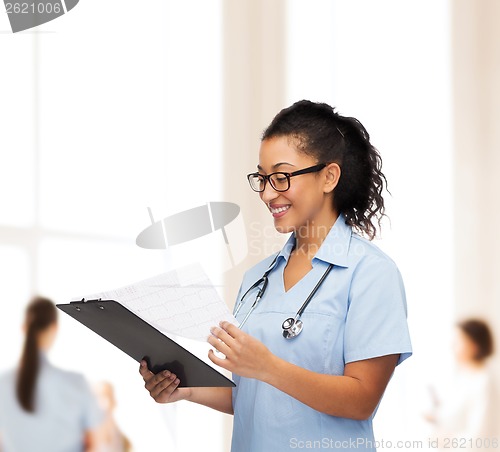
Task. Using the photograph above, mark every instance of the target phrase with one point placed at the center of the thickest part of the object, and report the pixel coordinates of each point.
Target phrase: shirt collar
(334, 249)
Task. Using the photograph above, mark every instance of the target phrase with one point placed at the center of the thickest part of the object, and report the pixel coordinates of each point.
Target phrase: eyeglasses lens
(256, 182)
(279, 182)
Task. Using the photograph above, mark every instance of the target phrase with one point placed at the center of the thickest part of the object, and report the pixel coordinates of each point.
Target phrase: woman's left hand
(245, 355)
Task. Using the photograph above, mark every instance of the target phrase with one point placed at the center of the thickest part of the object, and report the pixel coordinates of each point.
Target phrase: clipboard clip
(83, 300)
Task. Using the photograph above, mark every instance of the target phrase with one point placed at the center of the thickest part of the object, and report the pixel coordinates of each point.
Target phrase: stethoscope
(292, 326)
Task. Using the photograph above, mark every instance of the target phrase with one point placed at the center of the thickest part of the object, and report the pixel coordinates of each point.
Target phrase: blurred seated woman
(110, 437)
(463, 414)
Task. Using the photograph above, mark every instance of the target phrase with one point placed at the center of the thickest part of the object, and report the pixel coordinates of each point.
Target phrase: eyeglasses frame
(310, 169)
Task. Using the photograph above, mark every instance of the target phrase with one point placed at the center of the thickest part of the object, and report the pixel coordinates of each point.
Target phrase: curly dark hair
(319, 131)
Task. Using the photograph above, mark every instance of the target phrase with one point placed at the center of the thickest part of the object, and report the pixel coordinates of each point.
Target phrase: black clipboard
(138, 339)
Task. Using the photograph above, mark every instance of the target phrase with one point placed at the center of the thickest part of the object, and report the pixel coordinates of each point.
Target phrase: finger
(165, 386)
(224, 363)
(144, 371)
(157, 379)
(219, 345)
(230, 329)
(166, 394)
(159, 382)
(222, 335)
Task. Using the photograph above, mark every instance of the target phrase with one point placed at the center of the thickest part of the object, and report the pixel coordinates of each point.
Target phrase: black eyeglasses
(280, 181)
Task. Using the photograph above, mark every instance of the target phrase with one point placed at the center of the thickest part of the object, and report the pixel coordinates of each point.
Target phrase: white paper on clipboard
(181, 302)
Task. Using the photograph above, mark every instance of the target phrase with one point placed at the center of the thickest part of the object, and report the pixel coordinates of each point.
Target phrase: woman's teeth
(279, 209)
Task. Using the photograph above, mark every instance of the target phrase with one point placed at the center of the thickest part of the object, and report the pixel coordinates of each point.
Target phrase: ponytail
(40, 314)
(317, 130)
(358, 194)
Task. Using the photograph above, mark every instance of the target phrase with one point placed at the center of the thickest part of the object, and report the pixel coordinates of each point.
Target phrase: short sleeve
(376, 321)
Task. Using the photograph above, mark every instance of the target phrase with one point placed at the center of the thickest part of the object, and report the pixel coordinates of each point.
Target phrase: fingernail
(166, 373)
(171, 376)
(143, 364)
(177, 381)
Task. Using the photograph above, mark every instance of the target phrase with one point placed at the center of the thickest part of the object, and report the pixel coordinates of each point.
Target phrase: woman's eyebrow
(276, 165)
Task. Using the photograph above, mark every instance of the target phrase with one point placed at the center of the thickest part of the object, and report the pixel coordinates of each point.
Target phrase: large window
(99, 123)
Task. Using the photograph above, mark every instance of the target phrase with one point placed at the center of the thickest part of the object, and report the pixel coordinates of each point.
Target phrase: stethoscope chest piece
(292, 328)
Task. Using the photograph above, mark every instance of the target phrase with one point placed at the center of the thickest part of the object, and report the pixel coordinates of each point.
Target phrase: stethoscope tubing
(263, 289)
(259, 294)
(316, 287)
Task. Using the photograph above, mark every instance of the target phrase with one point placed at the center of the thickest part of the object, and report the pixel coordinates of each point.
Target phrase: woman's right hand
(163, 387)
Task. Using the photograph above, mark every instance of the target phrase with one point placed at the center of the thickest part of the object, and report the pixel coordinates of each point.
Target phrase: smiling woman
(328, 381)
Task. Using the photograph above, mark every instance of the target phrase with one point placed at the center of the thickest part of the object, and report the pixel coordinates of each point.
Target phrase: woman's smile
(279, 210)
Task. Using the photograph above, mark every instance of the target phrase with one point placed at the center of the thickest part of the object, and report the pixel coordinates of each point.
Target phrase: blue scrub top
(65, 410)
(359, 312)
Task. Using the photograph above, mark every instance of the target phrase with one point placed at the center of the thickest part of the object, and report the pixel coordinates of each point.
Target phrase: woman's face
(464, 347)
(306, 201)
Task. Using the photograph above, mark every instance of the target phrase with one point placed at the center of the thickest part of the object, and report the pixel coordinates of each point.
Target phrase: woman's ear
(332, 177)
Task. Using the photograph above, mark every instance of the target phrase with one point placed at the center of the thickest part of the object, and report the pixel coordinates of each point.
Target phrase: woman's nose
(269, 193)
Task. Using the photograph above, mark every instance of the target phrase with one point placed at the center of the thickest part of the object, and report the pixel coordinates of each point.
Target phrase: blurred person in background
(464, 411)
(43, 408)
(109, 436)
